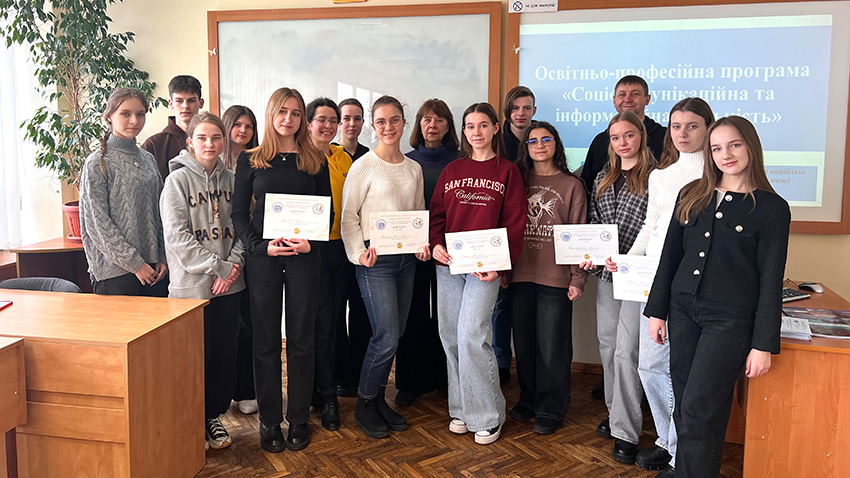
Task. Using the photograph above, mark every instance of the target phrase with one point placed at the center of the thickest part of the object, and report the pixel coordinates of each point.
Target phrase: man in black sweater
(630, 94)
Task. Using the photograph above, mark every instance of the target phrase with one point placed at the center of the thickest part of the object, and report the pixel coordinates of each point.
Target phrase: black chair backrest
(49, 284)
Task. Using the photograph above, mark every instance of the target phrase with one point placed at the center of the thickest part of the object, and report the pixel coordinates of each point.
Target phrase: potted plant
(78, 63)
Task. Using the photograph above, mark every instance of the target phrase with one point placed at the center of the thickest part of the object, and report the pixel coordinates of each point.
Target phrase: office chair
(49, 284)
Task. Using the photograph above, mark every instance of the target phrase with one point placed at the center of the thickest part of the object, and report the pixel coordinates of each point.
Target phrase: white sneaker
(217, 436)
(248, 407)
(458, 426)
(487, 437)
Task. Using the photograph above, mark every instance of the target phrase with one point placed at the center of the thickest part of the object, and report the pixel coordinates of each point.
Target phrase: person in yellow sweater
(336, 272)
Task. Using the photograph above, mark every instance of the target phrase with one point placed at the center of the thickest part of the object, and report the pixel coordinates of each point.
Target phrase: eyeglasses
(395, 121)
(323, 120)
(545, 140)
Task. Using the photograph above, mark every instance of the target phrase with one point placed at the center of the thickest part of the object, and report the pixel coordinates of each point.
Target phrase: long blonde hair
(637, 180)
(697, 195)
(310, 159)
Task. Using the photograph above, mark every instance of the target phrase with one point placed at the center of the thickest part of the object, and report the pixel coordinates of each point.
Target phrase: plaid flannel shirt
(625, 209)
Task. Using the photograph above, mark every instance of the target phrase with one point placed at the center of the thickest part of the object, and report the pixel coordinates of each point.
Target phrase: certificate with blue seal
(634, 276)
(398, 232)
(297, 216)
(575, 243)
(485, 250)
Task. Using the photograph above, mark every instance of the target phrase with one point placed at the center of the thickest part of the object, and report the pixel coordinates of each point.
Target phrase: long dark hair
(229, 118)
(697, 195)
(487, 109)
(524, 161)
(694, 105)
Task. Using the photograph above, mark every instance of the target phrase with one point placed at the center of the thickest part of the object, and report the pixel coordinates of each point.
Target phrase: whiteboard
(413, 58)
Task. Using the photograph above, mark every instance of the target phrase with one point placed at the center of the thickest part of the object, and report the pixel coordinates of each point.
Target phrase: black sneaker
(521, 413)
(668, 472)
(655, 458)
(604, 429)
(217, 436)
(546, 426)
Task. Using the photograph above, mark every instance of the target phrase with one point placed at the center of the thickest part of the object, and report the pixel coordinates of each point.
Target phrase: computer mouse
(812, 286)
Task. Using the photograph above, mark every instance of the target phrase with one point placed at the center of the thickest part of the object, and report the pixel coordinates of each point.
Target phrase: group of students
(200, 235)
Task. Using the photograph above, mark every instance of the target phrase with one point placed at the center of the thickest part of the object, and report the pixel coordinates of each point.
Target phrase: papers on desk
(297, 216)
(634, 276)
(794, 328)
(575, 243)
(832, 324)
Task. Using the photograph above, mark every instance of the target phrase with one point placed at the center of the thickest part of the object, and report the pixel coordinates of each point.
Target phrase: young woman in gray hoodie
(206, 258)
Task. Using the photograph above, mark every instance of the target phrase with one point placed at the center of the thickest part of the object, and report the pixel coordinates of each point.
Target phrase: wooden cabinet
(114, 384)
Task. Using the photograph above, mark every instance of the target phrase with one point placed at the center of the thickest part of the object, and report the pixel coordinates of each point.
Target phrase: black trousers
(352, 336)
(420, 361)
(709, 345)
(266, 286)
(336, 276)
(129, 284)
(221, 318)
(542, 321)
(244, 351)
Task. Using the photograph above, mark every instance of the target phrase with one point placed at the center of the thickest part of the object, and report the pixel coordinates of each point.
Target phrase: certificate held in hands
(297, 216)
(478, 251)
(398, 232)
(634, 277)
(575, 243)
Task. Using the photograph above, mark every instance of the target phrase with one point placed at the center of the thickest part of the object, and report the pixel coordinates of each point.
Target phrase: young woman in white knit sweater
(383, 179)
(681, 162)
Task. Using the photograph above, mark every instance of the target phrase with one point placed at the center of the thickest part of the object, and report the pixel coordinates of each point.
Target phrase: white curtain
(29, 196)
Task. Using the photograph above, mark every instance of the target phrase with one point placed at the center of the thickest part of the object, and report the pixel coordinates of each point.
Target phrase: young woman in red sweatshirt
(481, 190)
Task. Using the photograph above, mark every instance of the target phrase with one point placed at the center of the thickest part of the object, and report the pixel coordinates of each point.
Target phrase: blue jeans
(387, 289)
(654, 371)
(502, 329)
(465, 309)
(543, 339)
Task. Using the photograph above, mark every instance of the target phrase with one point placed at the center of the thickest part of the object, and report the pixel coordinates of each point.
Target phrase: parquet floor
(428, 450)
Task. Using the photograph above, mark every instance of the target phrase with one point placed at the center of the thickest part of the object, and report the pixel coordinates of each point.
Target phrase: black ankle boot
(394, 420)
(271, 438)
(330, 413)
(298, 437)
(366, 417)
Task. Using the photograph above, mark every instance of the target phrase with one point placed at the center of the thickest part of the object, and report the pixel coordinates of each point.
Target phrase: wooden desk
(13, 402)
(55, 258)
(798, 414)
(114, 384)
(8, 265)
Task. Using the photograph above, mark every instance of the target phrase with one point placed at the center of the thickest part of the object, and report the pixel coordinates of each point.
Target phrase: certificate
(575, 243)
(297, 216)
(634, 276)
(398, 232)
(478, 251)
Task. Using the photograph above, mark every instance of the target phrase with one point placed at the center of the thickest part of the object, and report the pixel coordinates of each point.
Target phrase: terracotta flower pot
(72, 211)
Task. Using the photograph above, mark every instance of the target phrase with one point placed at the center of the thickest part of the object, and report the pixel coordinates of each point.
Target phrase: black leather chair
(49, 284)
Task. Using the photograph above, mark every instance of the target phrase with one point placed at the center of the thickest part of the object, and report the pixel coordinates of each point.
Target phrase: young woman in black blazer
(719, 287)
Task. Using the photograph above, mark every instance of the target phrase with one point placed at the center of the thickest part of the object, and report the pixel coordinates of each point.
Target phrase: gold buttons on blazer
(686, 221)
(702, 253)
(707, 234)
(696, 272)
(728, 197)
(739, 228)
(719, 215)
